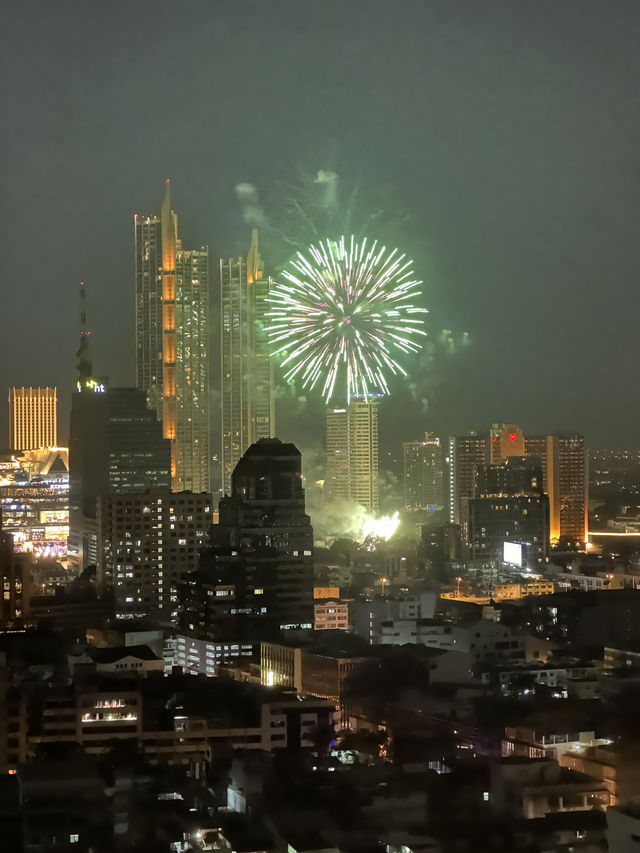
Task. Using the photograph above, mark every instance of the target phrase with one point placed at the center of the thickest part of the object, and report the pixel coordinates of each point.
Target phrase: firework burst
(344, 312)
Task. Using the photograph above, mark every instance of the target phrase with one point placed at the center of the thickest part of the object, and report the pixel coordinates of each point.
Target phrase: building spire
(255, 267)
(84, 364)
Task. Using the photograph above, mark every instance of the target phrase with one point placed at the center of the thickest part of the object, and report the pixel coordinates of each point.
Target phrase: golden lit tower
(565, 480)
(32, 418)
(245, 366)
(172, 341)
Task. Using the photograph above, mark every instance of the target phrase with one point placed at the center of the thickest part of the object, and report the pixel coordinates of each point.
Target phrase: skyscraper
(424, 475)
(115, 447)
(172, 341)
(265, 520)
(466, 452)
(565, 480)
(352, 452)
(508, 506)
(147, 543)
(246, 369)
(572, 487)
(363, 452)
(336, 485)
(32, 418)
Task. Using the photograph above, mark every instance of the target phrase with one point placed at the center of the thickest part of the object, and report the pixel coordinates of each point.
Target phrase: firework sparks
(346, 309)
(381, 528)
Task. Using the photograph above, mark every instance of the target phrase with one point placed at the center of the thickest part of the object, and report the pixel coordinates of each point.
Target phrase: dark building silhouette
(115, 447)
(258, 577)
(15, 576)
(519, 475)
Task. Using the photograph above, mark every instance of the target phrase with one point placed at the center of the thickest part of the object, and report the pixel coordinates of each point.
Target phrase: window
(74, 838)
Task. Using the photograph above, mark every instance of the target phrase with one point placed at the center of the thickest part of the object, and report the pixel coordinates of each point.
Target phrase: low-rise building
(331, 615)
(616, 765)
(527, 742)
(317, 665)
(425, 632)
(177, 720)
(557, 676)
(536, 787)
(141, 661)
(369, 614)
(203, 657)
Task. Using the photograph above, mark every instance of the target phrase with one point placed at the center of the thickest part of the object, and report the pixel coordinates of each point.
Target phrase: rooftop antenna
(83, 365)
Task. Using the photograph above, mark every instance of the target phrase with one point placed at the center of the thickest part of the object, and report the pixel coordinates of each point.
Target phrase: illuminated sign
(90, 385)
(512, 554)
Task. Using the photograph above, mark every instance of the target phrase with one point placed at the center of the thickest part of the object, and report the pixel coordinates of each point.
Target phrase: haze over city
(320, 483)
(501, 140)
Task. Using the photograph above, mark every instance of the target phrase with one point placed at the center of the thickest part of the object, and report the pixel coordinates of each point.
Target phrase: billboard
(512, 554)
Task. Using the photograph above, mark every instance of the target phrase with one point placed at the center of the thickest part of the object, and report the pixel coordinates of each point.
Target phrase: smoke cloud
(252, 210)
(325, 177)
(429, 374)
(341, 519)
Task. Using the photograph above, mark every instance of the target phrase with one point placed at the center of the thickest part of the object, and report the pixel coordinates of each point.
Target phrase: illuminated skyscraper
(466, 452)
(172, 341)
(246, 369)
(352, 453)
(424, 475)
(565, 480)
(336, 485)
(363, 452)
(32, 418)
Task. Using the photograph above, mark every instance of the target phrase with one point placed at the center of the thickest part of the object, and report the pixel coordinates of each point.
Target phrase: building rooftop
(111, 654)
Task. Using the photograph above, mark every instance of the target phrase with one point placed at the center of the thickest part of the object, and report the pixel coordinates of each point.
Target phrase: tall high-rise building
(466, 452)
(264, 519)
(336, 482)
(32, 418)
(508, 506)
(115, 447)
(147, 543)
(352, 452)
(424, 474)
(363, 452)
(172, 341)
(565, 481)
(245, 366)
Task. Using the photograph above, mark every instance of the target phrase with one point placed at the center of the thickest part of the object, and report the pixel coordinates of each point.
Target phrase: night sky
(501, 138)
